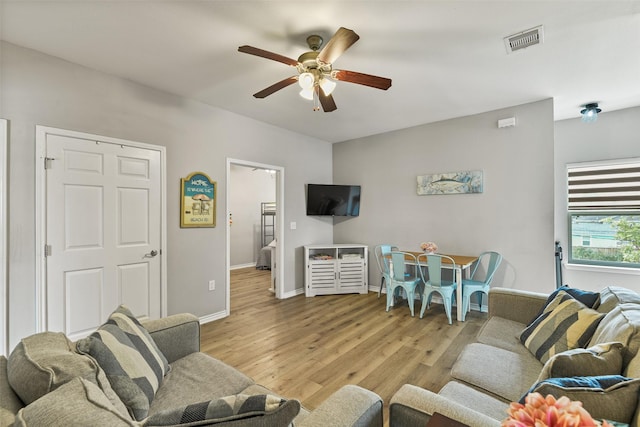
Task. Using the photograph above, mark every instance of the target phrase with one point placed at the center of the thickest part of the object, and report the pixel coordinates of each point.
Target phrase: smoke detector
(524, 39)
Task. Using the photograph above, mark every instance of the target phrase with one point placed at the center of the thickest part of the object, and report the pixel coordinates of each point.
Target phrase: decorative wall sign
(450, 183)
(197, 201)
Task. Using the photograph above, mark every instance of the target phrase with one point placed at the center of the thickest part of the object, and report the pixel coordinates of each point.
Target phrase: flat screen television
(333, 200)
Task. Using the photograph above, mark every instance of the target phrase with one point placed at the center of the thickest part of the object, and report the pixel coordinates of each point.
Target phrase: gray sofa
(60, 386)
(498, 368)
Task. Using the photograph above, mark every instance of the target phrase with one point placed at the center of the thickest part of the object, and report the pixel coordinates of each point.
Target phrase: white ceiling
(446, 58)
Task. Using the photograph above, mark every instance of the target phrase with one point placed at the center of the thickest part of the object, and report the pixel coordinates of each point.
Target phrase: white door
(103, 232)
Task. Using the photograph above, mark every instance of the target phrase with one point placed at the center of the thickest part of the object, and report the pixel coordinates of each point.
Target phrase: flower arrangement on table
(539, 411)
(428, 247)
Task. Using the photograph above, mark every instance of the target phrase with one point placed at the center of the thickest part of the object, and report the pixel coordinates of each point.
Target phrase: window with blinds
(603, 202)
(612, 186)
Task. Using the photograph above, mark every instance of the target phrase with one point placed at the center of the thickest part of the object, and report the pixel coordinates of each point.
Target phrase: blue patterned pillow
(130, 358)
(601, 382)
(588, 298)
(611, 397)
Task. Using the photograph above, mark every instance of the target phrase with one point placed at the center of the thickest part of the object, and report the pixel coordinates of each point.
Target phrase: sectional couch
(133, 374)
(152, 374)
(520, 349)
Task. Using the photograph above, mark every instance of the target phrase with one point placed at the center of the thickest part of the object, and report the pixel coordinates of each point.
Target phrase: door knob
(151, 254)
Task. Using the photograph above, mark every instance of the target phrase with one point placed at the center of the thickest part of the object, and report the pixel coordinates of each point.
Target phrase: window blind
(604, 186)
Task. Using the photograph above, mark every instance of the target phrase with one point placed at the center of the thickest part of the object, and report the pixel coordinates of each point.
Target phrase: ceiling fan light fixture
(590, 112)
(315, 74)
(306, 80)
(307, 93)
(327, 85)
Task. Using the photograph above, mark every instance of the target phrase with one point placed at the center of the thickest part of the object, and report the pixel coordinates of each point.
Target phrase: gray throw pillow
(247, 410)
(610, 397)
(132, 361)
(10, 403)
(42, 362)
(600, 359)
(613, 296)
(76, 403)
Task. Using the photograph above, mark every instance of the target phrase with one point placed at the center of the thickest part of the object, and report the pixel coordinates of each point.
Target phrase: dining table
(463, 264)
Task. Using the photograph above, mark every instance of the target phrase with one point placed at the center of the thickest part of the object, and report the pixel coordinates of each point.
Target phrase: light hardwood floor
(307, 348)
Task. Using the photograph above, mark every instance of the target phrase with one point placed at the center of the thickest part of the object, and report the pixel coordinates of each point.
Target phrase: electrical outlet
(212, 285)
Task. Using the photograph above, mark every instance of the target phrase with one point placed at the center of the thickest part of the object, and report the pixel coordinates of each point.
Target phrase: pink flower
(428, 246)
(539, 411)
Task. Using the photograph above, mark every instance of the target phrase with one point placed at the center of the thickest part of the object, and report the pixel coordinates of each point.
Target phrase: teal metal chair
(445, 288)
(398, 277)
(475, 285)
(381, 253)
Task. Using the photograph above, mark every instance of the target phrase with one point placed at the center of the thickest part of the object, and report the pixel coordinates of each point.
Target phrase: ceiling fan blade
(327, 102)
(362, 79)
(341, 41)
(266, 54)
(276, 87)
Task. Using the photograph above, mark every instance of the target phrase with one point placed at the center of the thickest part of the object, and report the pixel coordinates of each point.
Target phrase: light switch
(293, 225)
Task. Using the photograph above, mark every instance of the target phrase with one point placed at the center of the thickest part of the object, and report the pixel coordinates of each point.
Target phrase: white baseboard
(295, 292)
(236, 267)
(222, 314)
(214, 316)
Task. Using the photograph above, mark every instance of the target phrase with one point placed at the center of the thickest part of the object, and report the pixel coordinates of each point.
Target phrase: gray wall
(514, 214)
(248, 188)
(614, 135)
(38, 89)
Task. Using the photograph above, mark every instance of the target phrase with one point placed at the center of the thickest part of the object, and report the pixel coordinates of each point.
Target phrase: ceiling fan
(315, 69)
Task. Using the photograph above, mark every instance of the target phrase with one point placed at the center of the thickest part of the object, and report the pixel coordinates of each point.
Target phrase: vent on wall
(524, 39)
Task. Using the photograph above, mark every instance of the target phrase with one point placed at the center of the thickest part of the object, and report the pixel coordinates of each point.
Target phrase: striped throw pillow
(132, 361)
(245, 410)
(564, 324)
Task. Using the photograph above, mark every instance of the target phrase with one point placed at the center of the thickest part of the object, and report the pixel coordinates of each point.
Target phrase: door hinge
(47, 162)
(47, 250)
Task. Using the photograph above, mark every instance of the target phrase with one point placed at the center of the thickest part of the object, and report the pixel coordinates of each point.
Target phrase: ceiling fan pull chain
(316, 101)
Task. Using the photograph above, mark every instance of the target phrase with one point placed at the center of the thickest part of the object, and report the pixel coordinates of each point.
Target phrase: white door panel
(134, 283)
(83, 209)
(81, 286)
(103, 222)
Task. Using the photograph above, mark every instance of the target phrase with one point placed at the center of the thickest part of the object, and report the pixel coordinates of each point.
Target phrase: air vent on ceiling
(524, 39)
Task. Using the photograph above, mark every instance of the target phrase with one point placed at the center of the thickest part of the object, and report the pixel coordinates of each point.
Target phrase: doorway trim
(41, 214)
(4, 295)
(279, 225)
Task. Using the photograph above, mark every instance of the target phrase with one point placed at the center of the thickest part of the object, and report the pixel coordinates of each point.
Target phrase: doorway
(100, 210)
(252, 203)
(278, 221)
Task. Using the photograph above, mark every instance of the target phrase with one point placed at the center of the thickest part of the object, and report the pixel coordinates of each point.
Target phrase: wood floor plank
(307, 348)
